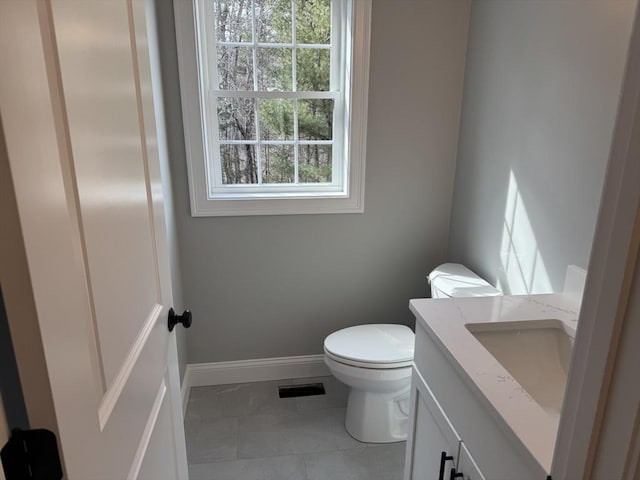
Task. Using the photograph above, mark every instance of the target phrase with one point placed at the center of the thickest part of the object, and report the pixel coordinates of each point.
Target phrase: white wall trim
(258, 370)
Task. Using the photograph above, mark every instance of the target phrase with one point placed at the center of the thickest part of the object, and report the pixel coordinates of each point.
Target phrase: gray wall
(541, 90)
(275, 286)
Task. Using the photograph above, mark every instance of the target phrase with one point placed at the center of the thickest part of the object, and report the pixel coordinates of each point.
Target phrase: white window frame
(344, 196)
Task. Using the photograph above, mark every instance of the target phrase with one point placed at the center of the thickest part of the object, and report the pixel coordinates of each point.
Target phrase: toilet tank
(455, 280)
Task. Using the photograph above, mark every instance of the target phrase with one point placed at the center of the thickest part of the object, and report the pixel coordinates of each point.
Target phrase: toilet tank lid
(456, 280)
(381, 343)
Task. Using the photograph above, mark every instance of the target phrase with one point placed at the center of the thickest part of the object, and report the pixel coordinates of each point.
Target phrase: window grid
(275, 142)
(303, 95)
(316, 46)
(294, 94)
(294, 87)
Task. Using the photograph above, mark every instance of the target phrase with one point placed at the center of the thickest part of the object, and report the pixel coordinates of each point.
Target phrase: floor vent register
(306, 390)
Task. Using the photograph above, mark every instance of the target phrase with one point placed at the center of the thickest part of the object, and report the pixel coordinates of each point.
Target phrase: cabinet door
(467, 466)
(430, 434)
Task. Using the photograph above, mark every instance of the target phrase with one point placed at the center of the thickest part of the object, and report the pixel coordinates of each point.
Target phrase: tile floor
(246, 432)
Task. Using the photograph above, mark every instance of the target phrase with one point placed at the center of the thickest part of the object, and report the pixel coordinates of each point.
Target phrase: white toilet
(375, 362)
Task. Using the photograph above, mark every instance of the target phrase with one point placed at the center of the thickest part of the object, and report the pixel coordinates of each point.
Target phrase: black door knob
(174, 319)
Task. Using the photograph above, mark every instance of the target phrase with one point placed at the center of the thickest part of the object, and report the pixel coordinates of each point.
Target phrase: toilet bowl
(374, 361)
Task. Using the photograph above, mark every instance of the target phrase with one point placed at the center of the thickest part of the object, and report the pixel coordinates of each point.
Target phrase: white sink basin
(535, 352)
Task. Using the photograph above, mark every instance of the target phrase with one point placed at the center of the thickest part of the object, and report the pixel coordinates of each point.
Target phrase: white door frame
(607, 294)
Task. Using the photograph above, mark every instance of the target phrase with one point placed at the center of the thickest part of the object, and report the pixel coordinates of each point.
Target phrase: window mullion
(254, 44)
(274, 94)
(296, 169)
(321, 46)
(258, 152)
(336, 41)
(294, 87)
(294, 56)
(340, 52)
(276, 142)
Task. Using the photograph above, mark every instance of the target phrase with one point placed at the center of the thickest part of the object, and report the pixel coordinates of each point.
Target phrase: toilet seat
(378, 346)
(370, 365)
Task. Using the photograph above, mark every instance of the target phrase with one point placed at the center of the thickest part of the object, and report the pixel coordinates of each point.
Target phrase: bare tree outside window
(265, 49)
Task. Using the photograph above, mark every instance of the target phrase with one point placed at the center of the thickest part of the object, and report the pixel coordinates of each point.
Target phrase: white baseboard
(259, 370)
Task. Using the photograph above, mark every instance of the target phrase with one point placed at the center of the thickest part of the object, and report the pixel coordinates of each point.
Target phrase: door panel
(80, 127)
(108, 158)
(158, 445)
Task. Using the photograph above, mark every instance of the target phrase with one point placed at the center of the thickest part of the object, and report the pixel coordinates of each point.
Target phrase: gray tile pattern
(211, 439)
(223, 401)
(294, 433)
(384, 462)
(246, 432)
(274, 468)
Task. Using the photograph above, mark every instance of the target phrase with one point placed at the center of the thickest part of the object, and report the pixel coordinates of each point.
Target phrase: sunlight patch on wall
(522, 269)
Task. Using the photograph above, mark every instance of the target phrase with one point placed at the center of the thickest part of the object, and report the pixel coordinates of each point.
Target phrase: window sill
(277, 206)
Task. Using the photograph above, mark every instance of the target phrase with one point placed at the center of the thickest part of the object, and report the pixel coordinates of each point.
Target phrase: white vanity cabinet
(434, 449)
(467, 465)
(433, 445)
(447, 415)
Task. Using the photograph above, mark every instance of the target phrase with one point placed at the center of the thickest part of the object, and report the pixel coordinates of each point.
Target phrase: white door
(78, 115)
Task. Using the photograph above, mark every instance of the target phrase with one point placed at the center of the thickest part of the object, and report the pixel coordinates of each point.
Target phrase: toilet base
(378, 403)
(378, 417)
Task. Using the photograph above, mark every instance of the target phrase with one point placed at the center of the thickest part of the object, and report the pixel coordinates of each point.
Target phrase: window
(274, 99)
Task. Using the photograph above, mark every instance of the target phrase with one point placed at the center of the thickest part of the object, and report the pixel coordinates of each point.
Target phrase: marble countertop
(445, 319)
